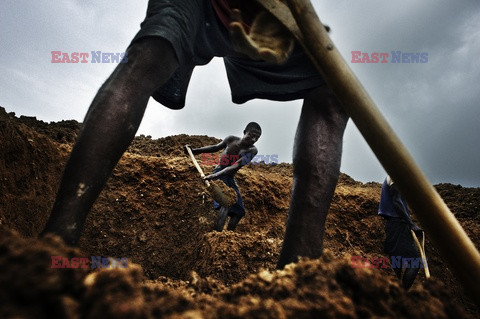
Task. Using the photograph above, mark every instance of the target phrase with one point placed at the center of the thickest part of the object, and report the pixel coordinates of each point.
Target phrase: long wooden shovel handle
(194, 160)
(442, 227)
(440, 224)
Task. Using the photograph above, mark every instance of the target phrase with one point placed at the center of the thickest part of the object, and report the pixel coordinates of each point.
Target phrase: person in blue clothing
(398, 226)
(237, 152)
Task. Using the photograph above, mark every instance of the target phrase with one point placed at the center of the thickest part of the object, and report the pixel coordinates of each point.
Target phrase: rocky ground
(155, 212)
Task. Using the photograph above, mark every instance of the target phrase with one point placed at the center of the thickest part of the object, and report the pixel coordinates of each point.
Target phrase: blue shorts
(237, 208)
(399, 240)
(197, 35)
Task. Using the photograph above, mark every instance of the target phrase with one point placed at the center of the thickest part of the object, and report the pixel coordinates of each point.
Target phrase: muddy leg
(233, 222)
(409, 277)
(316, 159)
(109, 126)
(221, 219)
(398, 272)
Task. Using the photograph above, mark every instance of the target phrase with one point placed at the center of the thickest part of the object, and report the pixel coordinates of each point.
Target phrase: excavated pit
(155, 212)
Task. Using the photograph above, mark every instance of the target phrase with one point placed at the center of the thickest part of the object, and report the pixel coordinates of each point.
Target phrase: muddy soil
(155, 213)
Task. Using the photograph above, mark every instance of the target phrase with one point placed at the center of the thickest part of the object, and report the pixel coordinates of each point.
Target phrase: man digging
(176, 36)
(236, 153)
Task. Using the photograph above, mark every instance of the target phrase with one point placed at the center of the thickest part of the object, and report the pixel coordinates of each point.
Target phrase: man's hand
(208, 177)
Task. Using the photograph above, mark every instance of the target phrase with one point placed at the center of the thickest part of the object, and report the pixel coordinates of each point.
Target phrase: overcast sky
(434, 107)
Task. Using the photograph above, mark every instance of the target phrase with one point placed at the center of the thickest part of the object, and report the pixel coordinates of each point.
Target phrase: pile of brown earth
(155, 212)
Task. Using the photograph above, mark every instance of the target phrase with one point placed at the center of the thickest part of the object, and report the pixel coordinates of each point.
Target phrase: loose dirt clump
(222, 191)
(29, 286)
(156, 213)
(328, 287)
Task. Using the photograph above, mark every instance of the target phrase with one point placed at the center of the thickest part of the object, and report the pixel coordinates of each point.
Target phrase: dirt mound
(27, 277)
(170, 145)
(327, 287)
(230, 256)
(463, 202)
(30, 167)
(155, 212)
(62, 132)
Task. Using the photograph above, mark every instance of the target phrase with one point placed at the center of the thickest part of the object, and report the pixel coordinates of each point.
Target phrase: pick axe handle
(442, 227)
(194, 160)
(421, 250)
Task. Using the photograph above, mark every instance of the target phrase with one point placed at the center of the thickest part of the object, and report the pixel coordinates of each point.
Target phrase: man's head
(252, 133)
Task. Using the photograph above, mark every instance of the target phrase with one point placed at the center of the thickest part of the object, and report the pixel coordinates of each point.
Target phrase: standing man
(237, 152)
(399, 242)
(176, 36)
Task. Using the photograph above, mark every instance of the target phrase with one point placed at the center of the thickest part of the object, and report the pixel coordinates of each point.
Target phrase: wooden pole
(421, 250)
(440, 224)
(195, 163)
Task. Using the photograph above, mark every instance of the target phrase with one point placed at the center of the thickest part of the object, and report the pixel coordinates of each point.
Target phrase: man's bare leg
(316, 158)
(221, 218)
(109, 127)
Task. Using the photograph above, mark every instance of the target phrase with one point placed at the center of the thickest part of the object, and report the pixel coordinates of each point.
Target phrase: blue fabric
(229, 180)
(399, 240)
(393, 206)
(387, 206)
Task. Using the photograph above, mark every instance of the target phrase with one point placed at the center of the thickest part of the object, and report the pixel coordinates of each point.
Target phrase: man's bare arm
(211, 148)
(243, 160)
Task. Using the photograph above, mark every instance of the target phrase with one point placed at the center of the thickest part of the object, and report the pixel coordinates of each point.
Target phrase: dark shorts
(236, 209)
(196, 35)
(399, 240)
